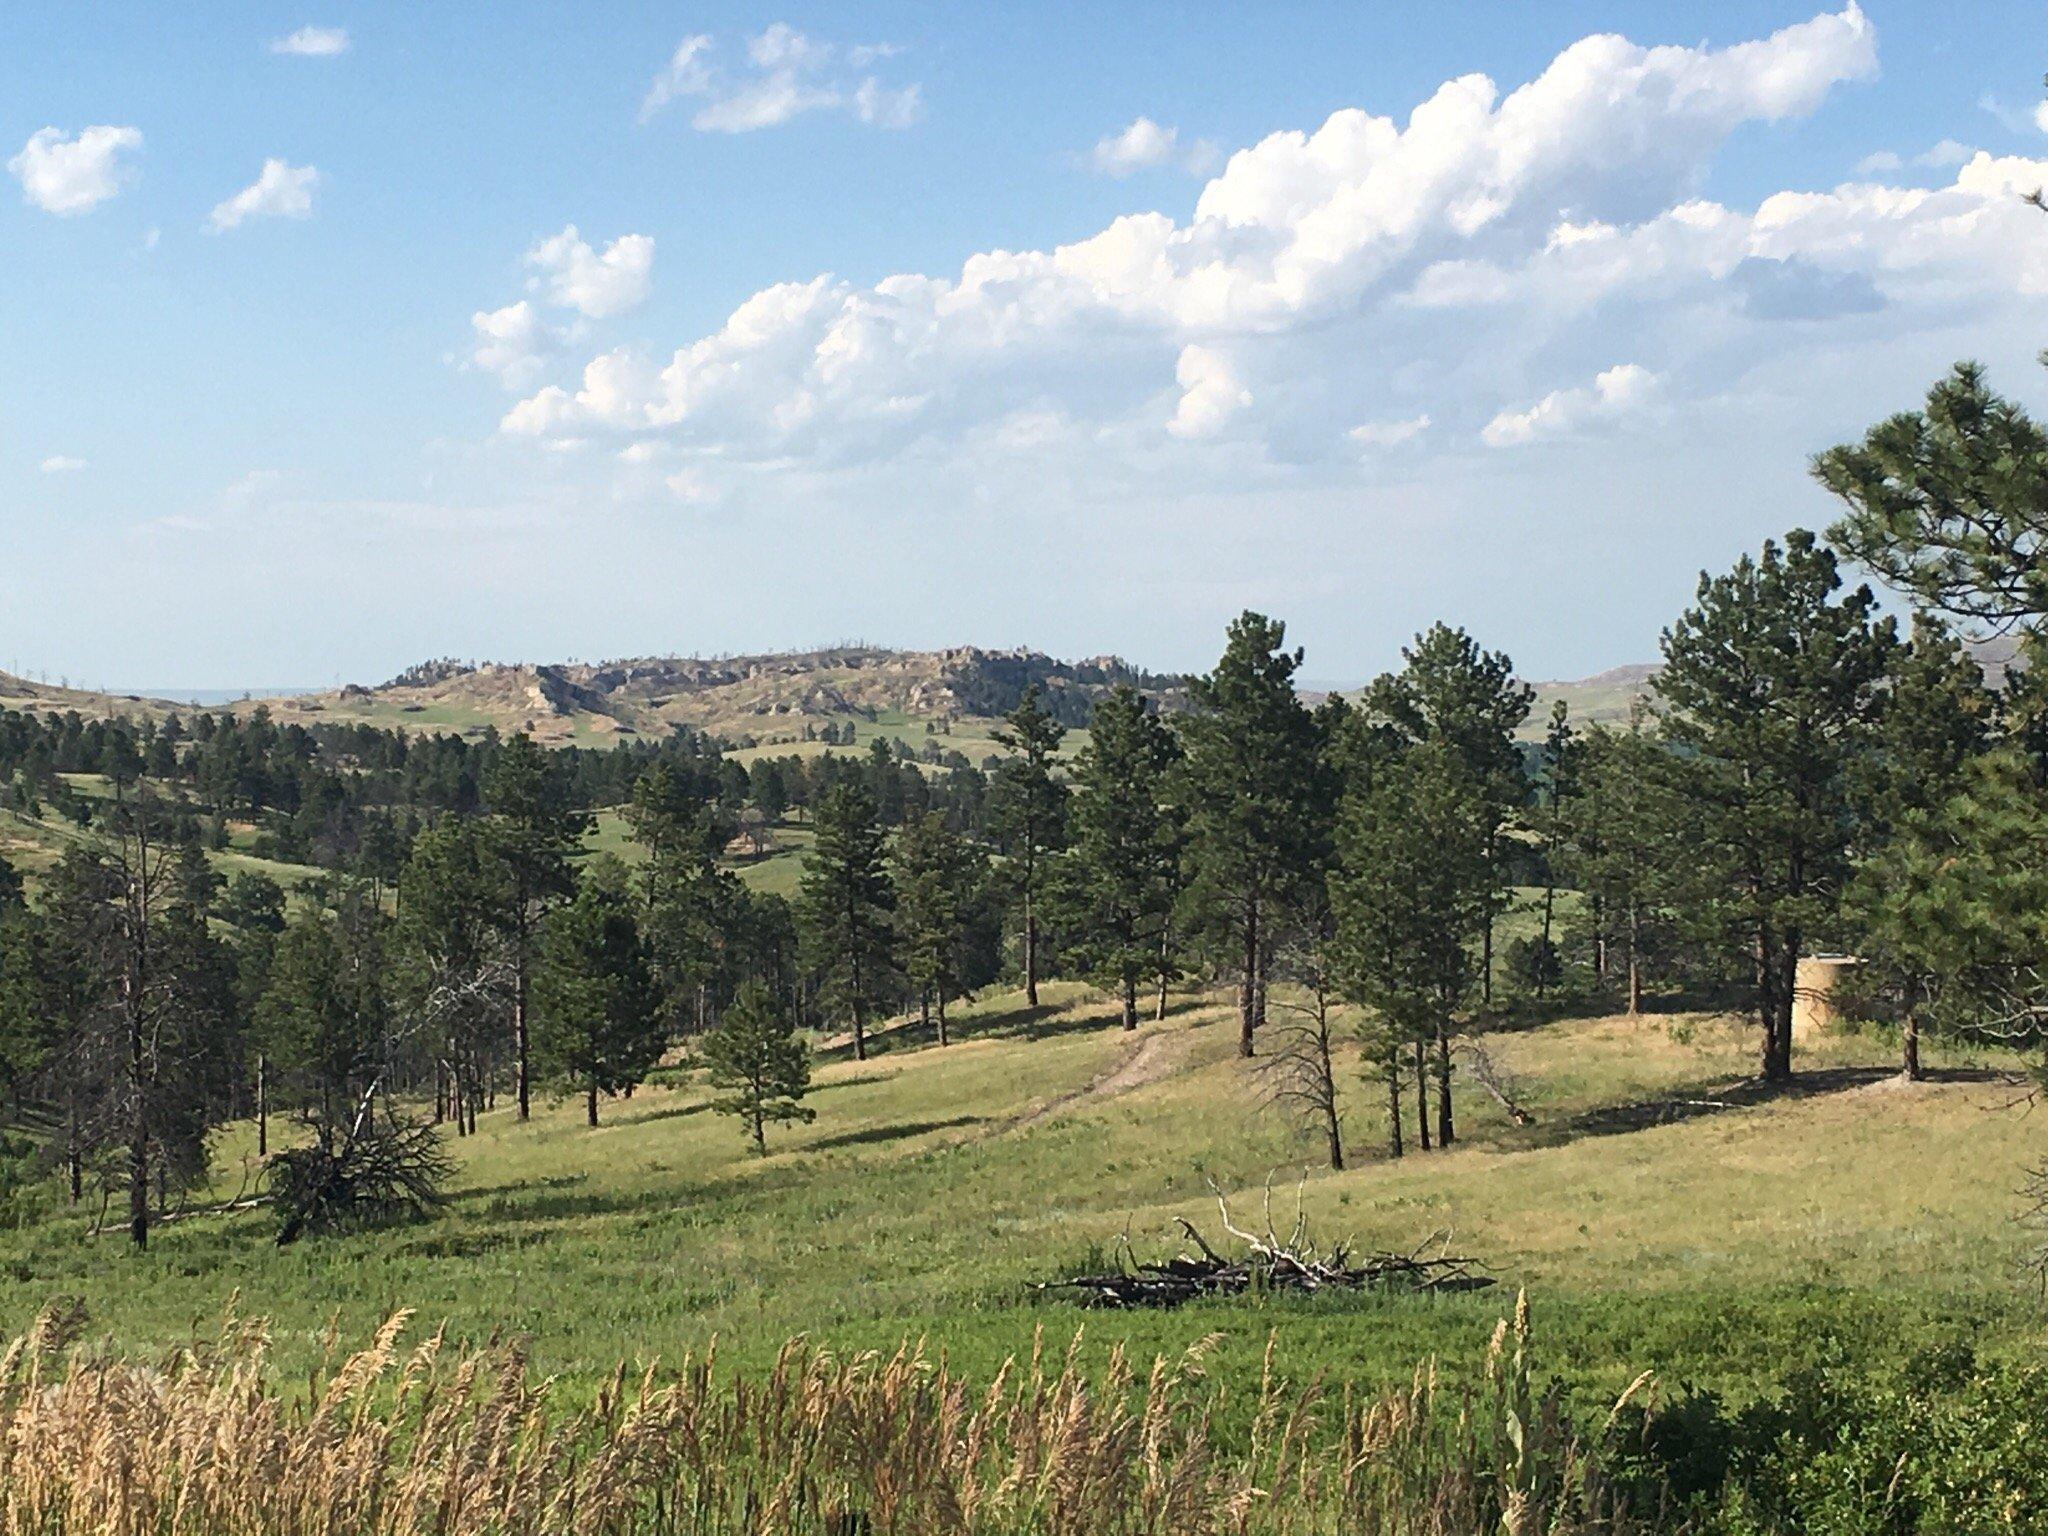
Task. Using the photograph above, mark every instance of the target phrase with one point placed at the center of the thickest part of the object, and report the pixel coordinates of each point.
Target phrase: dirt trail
(1149, 1059)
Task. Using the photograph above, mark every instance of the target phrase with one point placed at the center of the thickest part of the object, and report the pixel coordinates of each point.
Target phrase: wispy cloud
(311, 42)
(784, 74)
(61, 464)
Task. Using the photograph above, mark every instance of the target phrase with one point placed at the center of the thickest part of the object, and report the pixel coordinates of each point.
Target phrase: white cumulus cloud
(1211, 392)
(1145, 145)
(1490, 247)
(596, 283)
(514, 342)
(1619, 391)
(61, 464)
(280, 191)
(1389, 434)
(71, 173)
(783, 73)
(311, 42)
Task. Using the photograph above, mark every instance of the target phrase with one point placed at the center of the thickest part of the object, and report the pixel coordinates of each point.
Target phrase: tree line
(1806, 774)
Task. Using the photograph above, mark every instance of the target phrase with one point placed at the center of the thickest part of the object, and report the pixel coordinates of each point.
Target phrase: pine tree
(939, 880)
(539, 831)
(1950, 504)
(1772, 687)
(844, 907)
(455, 963)
(1951, 913)
(1414, 841)
(1124, 863)
(1450, 690)
(325, 1014)
(595, 999)
(1251, 771)
(1028, 811)
(1612, 840)
(677, 818)
(759, 1064)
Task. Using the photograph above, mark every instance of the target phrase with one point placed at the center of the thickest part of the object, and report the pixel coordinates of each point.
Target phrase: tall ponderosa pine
(455, 973)
(1772, 688)
(1563, 754)
(1950, 504)
(939, 882)
(1414, 845)
(325, 1017)
(675, 815)
(1252, 776)
(595, 999)
(845, 904)
(539, 832)
(759, 1065)
(1123, 867)
(1951, 913)
(1450, 690)
(1028, 812)
(1612, 840)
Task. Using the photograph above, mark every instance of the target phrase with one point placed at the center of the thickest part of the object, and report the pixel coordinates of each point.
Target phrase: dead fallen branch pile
(1268, 1264)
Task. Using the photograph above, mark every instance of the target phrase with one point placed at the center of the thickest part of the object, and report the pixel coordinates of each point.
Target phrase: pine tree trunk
(1030, 940)
(1421, 1096)
(135, 981)
(262, 1105)
(1486, 959)
(1635, 961)
(1393, 1101)
(590, 1104)
(519, 1022)
(924, 1008)
(1909, 1064)
(1130, 999)
(1159, 1007)
(1446, 1133)
(1248, 984)
(73, 1159)
(860, 1027)
(944, 1037)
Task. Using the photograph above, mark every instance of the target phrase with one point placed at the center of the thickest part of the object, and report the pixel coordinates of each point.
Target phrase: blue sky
(934, 325)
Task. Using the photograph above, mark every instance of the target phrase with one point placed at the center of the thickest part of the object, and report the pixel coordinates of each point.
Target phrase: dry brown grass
(437, 1439)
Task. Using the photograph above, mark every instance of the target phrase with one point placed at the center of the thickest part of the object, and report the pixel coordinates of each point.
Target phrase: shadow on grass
(1699, 1100)
(875, 1134)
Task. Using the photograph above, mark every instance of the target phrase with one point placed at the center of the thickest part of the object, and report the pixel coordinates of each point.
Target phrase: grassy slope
(925, 1198)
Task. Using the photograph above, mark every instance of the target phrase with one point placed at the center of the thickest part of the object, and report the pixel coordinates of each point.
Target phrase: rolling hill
(759, 700)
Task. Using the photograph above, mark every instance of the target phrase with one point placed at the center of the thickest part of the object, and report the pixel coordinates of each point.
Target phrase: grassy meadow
(1652, 1227)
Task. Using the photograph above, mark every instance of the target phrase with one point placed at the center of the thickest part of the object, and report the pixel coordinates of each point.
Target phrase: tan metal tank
(1813, 985)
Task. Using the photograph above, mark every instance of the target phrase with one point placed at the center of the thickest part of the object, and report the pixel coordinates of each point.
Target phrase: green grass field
(1718, 1246)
